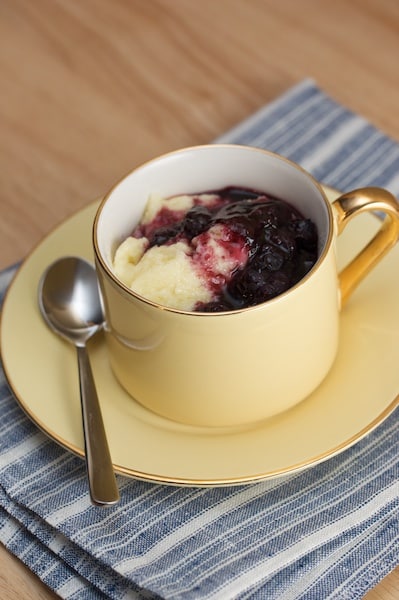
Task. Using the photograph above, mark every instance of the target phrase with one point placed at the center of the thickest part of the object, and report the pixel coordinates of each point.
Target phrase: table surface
(90, 89)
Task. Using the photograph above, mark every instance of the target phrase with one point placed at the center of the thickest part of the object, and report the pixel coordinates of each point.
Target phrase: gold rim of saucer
(358, 394)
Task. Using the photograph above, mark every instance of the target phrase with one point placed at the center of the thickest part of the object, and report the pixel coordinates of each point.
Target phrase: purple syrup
(281, 244)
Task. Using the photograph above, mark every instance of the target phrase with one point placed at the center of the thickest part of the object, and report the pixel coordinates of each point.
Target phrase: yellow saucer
(358, 394)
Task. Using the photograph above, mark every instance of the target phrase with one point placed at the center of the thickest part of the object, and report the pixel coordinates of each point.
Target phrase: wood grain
(90, 89)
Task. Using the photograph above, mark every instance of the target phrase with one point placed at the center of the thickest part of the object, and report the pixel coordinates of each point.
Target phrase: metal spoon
(70, 304)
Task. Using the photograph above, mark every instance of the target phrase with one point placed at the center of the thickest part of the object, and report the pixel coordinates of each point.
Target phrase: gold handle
(353, 203)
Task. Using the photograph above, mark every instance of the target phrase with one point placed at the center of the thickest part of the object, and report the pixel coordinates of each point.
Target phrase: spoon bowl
(70, 303)
(69, 299)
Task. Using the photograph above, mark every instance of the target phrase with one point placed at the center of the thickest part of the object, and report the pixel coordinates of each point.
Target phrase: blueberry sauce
(275, 246)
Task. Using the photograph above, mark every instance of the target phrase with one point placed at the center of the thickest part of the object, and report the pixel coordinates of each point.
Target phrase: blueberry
(273, 260)
(163, 235)
(196, 221)
(245, 287)
(266, 214)
(305, 262)
(305, 233)
(276, 284)
(283, 239)
(238, 217)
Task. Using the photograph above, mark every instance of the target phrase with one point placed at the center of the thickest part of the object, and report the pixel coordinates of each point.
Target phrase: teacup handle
(353, 203)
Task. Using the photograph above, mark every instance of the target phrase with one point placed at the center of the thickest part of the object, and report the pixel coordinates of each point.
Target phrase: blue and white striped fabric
(329, 532)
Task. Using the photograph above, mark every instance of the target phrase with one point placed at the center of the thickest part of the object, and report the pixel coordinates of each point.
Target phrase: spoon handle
(102, 482)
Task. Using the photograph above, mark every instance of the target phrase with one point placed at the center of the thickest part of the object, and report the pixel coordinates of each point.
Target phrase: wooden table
(91, 88)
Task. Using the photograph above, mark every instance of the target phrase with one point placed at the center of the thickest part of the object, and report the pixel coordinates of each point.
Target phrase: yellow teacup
(232, 368)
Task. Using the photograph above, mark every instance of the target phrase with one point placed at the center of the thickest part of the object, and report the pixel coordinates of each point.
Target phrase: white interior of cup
(202, 169)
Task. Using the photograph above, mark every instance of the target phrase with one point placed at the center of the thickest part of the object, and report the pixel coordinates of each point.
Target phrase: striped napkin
(329, 532)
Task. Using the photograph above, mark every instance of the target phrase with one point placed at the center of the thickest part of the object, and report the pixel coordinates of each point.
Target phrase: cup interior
(201, 169)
